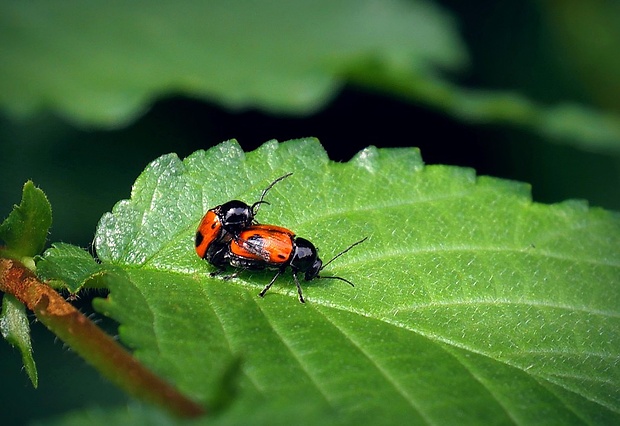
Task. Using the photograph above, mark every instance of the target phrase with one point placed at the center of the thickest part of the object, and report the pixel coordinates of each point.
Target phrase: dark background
(85, 172)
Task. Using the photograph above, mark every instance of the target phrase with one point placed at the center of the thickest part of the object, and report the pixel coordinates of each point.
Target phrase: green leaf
(133, 414)
(288, 57)
(272, 412)
(70, 267)
(15, 328)
(567, 122)
(472, 304)
(280, 56)
(25, 230)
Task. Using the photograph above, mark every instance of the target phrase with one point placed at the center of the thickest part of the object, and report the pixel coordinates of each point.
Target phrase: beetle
(223, 223)
(261, 247)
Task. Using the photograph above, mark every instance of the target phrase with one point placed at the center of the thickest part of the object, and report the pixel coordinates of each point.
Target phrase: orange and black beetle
(273, 247)
(223, 223)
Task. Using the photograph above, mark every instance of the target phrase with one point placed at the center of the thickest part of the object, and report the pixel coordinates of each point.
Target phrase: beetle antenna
(340, 254)
(257, 204)
(338, 278)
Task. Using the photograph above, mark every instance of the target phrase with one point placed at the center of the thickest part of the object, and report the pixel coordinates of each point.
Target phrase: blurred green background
(548, 51)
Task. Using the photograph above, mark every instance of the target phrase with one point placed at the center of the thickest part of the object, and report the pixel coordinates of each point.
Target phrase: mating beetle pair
(229, 235)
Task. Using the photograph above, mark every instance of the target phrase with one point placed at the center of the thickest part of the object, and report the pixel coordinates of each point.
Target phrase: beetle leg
(301, 296)
(268, 286)
(226, 277)
(219, 271)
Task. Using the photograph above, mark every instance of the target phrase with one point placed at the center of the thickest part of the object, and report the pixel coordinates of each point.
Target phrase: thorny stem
(90, 342)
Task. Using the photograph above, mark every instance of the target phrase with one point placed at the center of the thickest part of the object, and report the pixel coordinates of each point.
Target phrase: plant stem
(90, 342)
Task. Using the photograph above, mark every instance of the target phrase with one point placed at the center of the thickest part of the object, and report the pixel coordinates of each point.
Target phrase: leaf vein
(499, 302)
(388, 377)
(294, 355)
